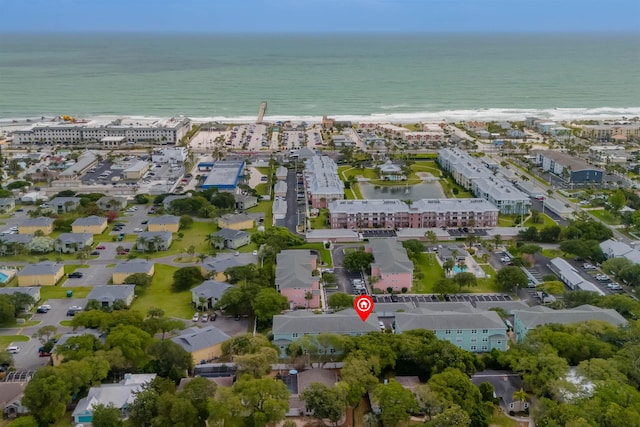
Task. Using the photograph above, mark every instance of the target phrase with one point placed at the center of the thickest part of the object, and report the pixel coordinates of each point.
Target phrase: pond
(431, 190)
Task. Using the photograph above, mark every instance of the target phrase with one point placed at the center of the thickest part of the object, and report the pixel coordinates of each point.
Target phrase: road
(292, 218)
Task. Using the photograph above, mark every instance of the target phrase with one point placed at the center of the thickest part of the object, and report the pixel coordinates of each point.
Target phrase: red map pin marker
(364, 306)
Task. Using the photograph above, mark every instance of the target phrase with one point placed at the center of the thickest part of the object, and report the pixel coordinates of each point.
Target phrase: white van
(13, 349)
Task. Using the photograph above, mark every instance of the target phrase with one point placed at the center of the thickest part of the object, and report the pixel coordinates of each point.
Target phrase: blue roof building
(224, 175)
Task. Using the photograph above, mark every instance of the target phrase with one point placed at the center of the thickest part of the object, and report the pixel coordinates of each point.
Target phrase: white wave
(393, 107)
(507, 114)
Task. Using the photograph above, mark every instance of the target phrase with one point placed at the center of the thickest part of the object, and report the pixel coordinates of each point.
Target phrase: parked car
(195, 317)
(205, 318)
(43, 353)
(13, 349)
(213, 317)
(95, 253)
(42, 309)
(101, 247)
(76, 275)
(589, 266)
(602, 277)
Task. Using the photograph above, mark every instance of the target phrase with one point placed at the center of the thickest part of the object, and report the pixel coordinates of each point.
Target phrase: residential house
(505, 385)
(33, 225)
(10, 242)
(515, 133)
(32, 291)
(211, 291)
(11, 394)
(106, 295)
(119, 395)
(466, 327)
(616, 249)
(455, 253)
(166, 202)
(91, 224)
(69, 243)
(526, 320)
(204, 344)
(64, 204)
(280, 189)
(215, 267)
(7, 204)
(245, 201)
(45, 273)
(240, 221)
(294, 278)
(301, 381)
(154, 241)
(170, 223)
(112, 203)
(391, 266)
(570, 276)
(279, 211)
(281, 173)
(232, 239)
(127, 268)
(290, 326)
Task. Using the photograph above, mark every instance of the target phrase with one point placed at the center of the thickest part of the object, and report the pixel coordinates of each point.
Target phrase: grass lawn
(431, 273)
(193, 236)
(552, 253)
(65, 323)
(507, 220)
(263, 188)
(428, 166)
(263, 170)
(546, 221)
(501, 420)
(325, 254)
(57, 292)
(5, 340)
(264, 206)
(321, 220)
(605, 216)
(448, 185)
(159, 294)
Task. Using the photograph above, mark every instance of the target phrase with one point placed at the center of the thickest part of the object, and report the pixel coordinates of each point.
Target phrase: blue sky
(313, 16)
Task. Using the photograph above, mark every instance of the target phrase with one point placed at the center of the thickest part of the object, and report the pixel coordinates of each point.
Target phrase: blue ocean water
(355, 76)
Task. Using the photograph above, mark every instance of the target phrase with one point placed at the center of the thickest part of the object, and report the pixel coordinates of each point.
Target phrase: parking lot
(292, 140)
(95, 275)
(460, 232)
(416, 299)
(378, 233)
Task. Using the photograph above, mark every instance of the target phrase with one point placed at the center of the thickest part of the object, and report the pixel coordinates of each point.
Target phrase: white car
(195, 317)
(137, 230)
(255, 253)
(13, 349)
(381, 325)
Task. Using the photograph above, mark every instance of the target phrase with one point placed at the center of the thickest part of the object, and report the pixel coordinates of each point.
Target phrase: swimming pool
(457, 269)
(3, 277)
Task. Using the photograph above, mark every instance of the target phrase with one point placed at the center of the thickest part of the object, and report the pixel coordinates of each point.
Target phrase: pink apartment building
(391, 267)
(294, 278)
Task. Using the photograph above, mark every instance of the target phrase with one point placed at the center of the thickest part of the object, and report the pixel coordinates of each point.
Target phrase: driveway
(95, 275)
(291, 220)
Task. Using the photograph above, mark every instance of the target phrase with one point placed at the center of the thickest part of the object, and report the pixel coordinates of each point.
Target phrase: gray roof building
(432, 320)
(167, 200)
(505, 384)
(280, 187)
(71, 238)
(21, 239)
(89, 221)
(615, 249)
(390, 256)
(41, 221)
(112, 203)
(108, 294)
(525, 320)
(164, 219)
(40, 269)
(571, 277)
(212, 290)
(293, 269)
(7, 201)
(85, 161)
(133, 266)
(281, 172)
(343, 322)
(223, 262)
(194, 338)
(32, 291)
(508, 306)
(60, 202)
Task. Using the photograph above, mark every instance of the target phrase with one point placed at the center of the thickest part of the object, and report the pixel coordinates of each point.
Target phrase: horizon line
(323, 33)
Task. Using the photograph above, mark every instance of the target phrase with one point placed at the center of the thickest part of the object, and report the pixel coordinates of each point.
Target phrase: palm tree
(520, 395)
(3, 245)
(370, 420)
(431, 237)
(216, 241)
(202, 257)
(448, 264)
(497, 240)
(156, 243)
(142, 243)
(202, 303)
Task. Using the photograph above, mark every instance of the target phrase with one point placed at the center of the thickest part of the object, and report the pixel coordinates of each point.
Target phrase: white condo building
(109, 132)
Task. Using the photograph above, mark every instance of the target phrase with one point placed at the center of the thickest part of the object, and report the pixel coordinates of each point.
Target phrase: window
(458, 339)
(485, 339)
(294, 335)
(473, 340)
(474, 331)
(459, 331)
(485, 331)
(448, 331)
(484, 348)
(473, 348)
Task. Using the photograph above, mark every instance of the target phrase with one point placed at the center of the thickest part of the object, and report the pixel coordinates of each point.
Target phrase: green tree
(45, 333)
(185, 278)
(340, 300)
(324, 402)
(465, 279)
(453, 416)
(268, 303)
(617, 201)
(79, 347)
(106, 416)
(266, 400)
(186, 222)
(132, 341)
(46, 395)
(170, 360)
(358, 260)
(256, 364)
(144, 407)
(413, 247)
(396, 403)
(360, 373)
(21, 302)
(28, 421)
(511, 277)
(431, 237)
(198, 391)
(138, 279)
(174, 410)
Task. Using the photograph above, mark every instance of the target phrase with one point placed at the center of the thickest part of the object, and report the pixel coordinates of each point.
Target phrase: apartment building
(323, 182)
(608, 132)
(568, 167)
(295, 279)
(424, 213)
(391, 266)
(472, 174)
(121, 130)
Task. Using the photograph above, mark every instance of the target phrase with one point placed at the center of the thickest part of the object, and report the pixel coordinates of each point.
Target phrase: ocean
(357, 77)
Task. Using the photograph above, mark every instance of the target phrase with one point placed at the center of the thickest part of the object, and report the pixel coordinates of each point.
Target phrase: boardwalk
(263, 109)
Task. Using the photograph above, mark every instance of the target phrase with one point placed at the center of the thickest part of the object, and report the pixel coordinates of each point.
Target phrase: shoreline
(449, 116)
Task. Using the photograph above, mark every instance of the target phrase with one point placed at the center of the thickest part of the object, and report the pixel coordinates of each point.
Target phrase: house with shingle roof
(68, 243)
(45, 273)
(112, 203)
(11, 394)
(64, 204)
(204, 344)
(280, 189)
(154, 240)
(464, 326)
(210, 290)
(240, 221)
(106, 295)
(303, 380)
(8, 242)
(232, 239)
(391, 266)
(294, 278)
(290, 326)
(505, 384)
(7, 204)
(526, 320)
(92, 224)
(33, 225)
(245, 201)
(132, 266)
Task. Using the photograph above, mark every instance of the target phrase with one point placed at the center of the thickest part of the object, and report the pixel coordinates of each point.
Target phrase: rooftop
(211, 289)
(133, 266)
(89, 221)
(541, 315)
(573, 162)
(293, 269)
(164, 219)
(194, 338)
(41, 269)
(390, 256)
(111, 292)
(342, 322)
(433, 320)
